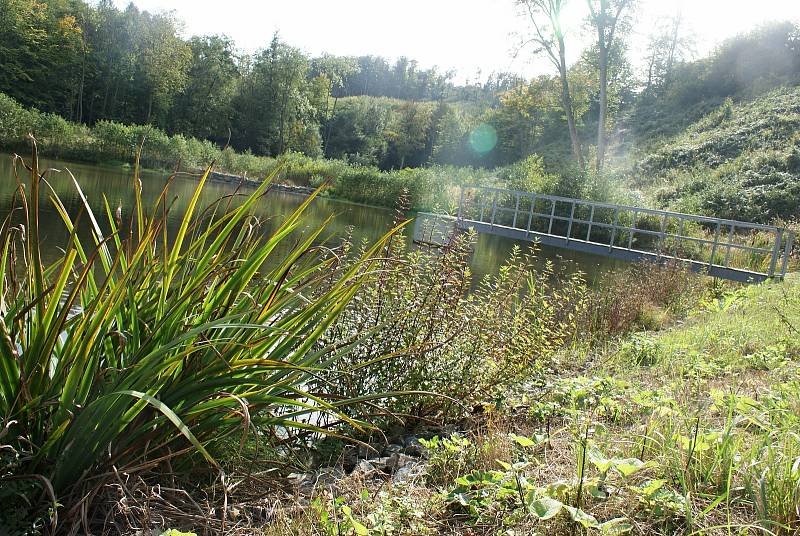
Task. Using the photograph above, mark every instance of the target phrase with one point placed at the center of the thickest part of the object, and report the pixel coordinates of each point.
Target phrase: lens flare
(483, 139)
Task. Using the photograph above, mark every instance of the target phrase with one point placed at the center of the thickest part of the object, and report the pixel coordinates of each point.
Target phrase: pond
(359, 222)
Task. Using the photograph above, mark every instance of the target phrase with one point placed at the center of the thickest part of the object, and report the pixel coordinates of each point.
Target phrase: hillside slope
(741, 161)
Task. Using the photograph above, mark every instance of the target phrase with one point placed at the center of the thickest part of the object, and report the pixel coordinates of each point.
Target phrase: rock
(387, 465)
(367, 451)
(303, 482)
(392, 449)
(413, 447)
(408, 472)
(365, 468)
(327, 477)
(393, 463)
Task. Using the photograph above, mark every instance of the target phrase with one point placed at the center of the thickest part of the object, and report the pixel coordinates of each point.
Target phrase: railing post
(714, 247)
(662, 236)
(730, 243)
(679, 240)
(786, 252)
(776, 251)
(591, 219)
(632, 229)
(571, 217)
(530, 217)
(614, 229)
(552, 215)
(494, 208)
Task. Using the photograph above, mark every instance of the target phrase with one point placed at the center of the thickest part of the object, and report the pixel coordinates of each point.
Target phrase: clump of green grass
(739, 161)
(140, 347)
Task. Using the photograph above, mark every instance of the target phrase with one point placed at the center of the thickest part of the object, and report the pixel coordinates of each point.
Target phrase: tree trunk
(79, 112)
(650, 66)
(149, 108)
(601, 120)
(566, 102)
(673, 46)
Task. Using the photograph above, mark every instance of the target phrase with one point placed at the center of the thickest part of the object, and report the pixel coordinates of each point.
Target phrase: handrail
(773, 256)
(653, 211)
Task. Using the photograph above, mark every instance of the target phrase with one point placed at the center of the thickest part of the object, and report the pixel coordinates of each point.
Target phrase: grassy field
(691, 430)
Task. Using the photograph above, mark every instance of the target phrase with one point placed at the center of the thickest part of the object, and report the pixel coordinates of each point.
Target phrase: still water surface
(348, 219)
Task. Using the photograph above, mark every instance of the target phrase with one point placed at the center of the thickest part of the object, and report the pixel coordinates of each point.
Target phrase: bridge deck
(728, 249)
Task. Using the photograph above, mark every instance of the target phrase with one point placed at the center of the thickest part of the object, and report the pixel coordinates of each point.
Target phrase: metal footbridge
(728, 249)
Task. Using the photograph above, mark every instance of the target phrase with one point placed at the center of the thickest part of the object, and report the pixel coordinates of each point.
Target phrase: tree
(165, 61)
(359, 129)
(605, 17)
(204, 109)
(276, 107)
(523, 114)
(40, 54)
(669, 44)
(548, 38)
(409, 132)
(333, 71)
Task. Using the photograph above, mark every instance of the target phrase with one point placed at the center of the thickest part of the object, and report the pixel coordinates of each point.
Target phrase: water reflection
(358, 222)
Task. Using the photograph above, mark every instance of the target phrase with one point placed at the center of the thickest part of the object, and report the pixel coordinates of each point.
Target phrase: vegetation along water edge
(190, 352)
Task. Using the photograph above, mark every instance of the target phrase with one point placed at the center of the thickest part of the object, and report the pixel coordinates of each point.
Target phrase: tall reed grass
(141, 348)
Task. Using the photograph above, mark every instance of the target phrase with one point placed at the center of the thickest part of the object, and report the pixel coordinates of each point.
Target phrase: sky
(469, 36)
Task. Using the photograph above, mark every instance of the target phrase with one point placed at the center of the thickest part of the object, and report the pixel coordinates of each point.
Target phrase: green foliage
(431, 335)
(40, 52)
(529, 175)
(138, 347)
(276, 109)
(603, 396)
(642, 350)
(509, 492)
(337, 518)
(204, 108)
(738, 162)
(447, 458)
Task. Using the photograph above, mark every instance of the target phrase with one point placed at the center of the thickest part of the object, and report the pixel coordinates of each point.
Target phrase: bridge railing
(763, 250)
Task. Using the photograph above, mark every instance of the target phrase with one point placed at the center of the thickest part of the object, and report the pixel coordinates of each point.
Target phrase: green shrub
(641, 350)
(431, 335)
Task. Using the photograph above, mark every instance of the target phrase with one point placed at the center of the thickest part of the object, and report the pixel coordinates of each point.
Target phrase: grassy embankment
(690, 430)
(741, 161)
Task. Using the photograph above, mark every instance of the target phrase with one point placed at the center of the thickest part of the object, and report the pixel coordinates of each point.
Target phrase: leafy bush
(430, 335)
